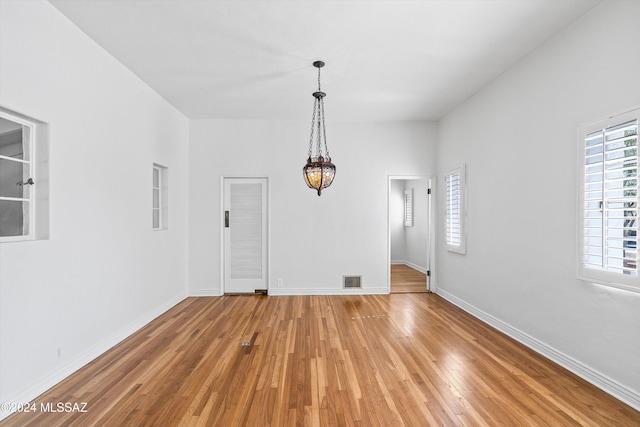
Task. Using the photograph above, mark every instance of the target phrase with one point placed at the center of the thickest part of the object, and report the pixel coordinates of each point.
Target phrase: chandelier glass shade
(319, 171)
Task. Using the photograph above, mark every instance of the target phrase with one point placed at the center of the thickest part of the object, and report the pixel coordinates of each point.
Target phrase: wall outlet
(59, 352)
(280, 283)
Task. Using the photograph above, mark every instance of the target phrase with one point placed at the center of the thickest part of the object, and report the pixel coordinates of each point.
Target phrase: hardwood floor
(376, 360)
(405, 279)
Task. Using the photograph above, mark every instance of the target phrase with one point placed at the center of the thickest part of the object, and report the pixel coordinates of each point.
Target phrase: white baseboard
(299, 291)
(617, 390)
(417, 267)
(91, 354)
(205, 292)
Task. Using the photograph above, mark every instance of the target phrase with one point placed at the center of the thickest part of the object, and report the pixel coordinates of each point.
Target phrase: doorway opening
(410, 230)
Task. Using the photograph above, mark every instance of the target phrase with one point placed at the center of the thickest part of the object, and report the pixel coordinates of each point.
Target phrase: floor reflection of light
(409, 317)
(406, 313)
(454, 367)
(453, 361)
(411, 320)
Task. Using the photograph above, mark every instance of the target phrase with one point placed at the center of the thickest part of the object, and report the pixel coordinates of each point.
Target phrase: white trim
(604, 278)
(221, 222)
(16, 199)
(608, 385)
(337, 291)
(92, 353)
(433, 237)
(15, 160)
(205, 292)
(8, 239)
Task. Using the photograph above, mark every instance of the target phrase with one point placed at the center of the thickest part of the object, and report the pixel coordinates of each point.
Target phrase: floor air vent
(352, 282)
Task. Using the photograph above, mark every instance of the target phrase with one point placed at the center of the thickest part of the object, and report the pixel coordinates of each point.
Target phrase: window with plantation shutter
(159, 206)
(609, 202)
(156, 211)
(408, 208)
(454, 211)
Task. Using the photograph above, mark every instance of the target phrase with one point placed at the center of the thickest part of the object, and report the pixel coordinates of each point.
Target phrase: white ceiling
(385, 60)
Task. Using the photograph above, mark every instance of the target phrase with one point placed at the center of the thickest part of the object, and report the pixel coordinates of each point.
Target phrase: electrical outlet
(280, 283)
(59, 352)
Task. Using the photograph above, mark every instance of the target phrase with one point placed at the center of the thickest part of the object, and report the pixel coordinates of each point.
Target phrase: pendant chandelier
(319, 171)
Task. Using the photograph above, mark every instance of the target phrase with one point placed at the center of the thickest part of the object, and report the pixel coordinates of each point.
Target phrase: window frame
(162, 206)
(584, 273)
(34, 130)
(461, 246)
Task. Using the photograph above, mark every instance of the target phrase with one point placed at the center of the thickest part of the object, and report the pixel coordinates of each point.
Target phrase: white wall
(314, 241)
(103, 272)
(518, 138)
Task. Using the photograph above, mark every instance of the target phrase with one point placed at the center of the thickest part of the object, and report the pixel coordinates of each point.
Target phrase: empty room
(319, 213)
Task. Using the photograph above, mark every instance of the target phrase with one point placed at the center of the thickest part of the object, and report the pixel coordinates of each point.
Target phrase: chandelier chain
(324, 130)
(319, 135)
(313, 122)
(317, 119)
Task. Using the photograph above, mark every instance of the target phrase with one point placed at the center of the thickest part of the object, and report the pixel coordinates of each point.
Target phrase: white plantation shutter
(453, 209)
(454, 214)
(159, 206)
(610, 202)
(156, 190)
(408, 208)
(246, 231)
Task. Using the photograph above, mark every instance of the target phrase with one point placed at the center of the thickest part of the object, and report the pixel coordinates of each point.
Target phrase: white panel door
(245, 235)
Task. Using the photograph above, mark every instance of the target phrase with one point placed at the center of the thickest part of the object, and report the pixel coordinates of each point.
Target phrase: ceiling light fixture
(319, 171)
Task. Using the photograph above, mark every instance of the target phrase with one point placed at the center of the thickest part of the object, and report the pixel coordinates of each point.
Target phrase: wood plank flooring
(405, 279)
(376, 360)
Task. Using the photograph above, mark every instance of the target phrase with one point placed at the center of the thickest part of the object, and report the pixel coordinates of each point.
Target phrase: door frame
(431, 237)
(222, 227)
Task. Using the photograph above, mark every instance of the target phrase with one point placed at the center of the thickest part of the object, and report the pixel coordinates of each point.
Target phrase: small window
(408, 208)
(608, 209)
(19, 178)
(455, 210)
(159, 207)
